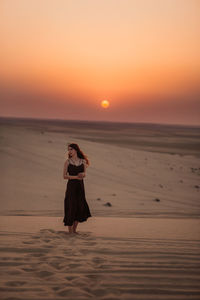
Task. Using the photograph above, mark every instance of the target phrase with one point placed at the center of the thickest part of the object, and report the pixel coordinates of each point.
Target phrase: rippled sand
(109, 258)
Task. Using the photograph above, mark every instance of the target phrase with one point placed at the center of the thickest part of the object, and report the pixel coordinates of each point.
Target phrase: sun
(105, 103)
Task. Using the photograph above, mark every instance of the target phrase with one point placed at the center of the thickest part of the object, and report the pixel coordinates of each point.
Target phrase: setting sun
(105, 103)
(101, 60)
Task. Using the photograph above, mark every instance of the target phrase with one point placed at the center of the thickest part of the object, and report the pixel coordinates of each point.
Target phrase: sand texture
(110, 258)
(137, 182)
(144, 245)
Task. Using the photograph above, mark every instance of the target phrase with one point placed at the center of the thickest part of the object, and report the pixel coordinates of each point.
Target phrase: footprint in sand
(98, 260)
(15, 283)
(43, 274)
(28, 269)
(73, 292)
(74, 265)
(56, 265)
(57, 288)
(46, 240)
(36, 237)
(70, 277)
(17, 258)
(93, 276)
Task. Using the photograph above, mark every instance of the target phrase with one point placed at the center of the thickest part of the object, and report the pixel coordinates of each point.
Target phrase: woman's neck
(74, 158)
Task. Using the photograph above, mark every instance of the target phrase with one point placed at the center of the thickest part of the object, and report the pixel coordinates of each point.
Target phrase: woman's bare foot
(75, 226)
(70, 228)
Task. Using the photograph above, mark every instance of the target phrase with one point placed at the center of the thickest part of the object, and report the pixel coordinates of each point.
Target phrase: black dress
(75, 204)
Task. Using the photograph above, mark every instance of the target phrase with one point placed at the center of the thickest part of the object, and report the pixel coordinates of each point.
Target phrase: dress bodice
(74, 170)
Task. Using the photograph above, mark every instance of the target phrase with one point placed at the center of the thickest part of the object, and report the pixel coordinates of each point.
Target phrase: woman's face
(71, 151)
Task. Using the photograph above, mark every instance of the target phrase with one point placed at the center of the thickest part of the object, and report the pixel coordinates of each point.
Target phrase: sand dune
(145, 245)
(42, 261)
(131, 180)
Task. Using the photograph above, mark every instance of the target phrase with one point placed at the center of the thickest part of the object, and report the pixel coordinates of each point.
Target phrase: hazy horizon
(99, 121)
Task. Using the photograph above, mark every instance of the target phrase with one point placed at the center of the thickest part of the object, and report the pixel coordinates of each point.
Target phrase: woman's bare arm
(84, 163)
(66, 174)
(83, 174)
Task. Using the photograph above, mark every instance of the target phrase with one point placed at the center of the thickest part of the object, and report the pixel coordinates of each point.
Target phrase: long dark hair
(80, 153)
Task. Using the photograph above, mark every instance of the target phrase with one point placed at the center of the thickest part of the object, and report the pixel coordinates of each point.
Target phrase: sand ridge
(49, 263)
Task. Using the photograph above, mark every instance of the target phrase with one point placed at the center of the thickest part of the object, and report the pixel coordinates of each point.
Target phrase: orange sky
(61, 58)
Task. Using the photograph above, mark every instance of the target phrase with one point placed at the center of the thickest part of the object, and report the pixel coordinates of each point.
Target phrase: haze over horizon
(60, 59)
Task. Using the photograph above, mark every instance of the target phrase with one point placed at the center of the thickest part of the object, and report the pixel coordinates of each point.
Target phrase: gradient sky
(60, 58)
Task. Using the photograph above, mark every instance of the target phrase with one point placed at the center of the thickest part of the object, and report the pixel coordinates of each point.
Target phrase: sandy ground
(109, 258)
(32, 159)
(146, 245)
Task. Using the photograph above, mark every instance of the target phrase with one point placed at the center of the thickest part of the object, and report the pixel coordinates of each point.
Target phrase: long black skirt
(75, 204)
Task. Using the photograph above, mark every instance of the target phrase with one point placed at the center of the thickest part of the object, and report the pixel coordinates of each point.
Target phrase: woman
(75, 205)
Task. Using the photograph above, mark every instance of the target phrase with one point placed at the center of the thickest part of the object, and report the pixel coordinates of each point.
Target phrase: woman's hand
(80, 175)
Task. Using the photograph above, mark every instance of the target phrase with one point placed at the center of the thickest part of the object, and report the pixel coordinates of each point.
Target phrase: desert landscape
(142, 187)
(117, 81)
